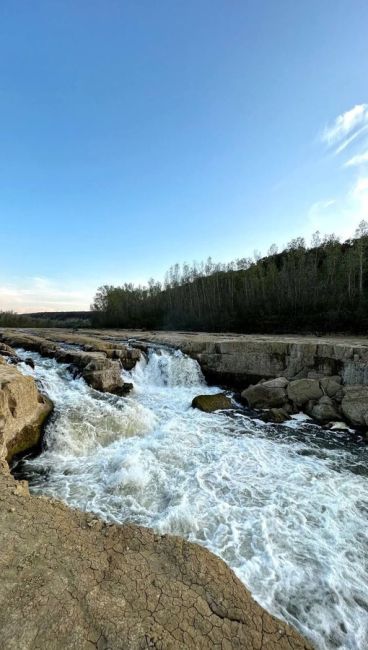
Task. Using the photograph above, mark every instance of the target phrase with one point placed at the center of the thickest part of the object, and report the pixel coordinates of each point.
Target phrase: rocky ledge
(327, 378)
(99, 363)
(69, 580)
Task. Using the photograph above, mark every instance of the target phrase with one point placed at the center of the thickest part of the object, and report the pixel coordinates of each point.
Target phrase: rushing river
(284, 505)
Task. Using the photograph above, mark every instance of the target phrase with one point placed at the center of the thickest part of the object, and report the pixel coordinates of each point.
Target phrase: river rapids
(284, 505)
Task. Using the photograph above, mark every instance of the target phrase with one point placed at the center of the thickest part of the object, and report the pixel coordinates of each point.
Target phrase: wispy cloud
(42, 294)
(360, 187)
(346, 128)
(358, 160)
(350, 206)
(341, 216)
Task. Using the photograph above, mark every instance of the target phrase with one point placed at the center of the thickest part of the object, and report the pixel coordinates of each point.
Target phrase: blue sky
(136, 134)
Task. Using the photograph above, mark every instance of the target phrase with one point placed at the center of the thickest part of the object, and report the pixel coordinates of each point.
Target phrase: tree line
(45, 319)
(320, 287)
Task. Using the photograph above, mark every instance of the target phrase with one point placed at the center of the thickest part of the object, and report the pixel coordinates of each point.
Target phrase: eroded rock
(100, 372)
(23, 411)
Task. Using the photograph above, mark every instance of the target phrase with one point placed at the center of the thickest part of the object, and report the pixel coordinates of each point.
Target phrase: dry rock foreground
(70, 581)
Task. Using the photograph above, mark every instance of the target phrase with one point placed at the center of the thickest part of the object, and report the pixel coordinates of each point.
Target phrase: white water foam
(285, 506)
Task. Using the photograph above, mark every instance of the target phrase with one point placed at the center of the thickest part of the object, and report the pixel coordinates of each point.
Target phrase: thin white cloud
(358, 160)
(360, 187)
(42, 294)
(321, 205)
(348, 141)
(341, 216)
(346, 127)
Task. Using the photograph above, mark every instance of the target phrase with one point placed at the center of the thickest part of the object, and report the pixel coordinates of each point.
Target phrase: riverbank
(326, 378)
(71, 580)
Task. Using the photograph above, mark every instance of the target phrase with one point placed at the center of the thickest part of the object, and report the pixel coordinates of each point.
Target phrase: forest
(317, 288)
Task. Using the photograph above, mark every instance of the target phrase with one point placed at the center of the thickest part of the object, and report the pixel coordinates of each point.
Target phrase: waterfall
(284, 505)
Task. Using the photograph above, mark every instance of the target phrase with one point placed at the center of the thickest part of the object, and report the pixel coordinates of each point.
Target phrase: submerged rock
(29, 362)
(210, 403)
(275, 415)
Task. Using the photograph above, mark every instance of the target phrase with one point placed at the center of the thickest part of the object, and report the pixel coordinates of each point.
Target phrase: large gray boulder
(325, 410)
(266, 394)
(355, 405)
(331, 386)
(302, 391)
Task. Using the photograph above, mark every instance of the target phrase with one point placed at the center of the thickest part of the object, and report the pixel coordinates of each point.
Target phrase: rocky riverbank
(332, 372)
(326, 378)
(68, 580)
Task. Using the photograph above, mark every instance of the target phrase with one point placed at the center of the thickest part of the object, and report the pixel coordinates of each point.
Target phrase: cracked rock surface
(70, 581)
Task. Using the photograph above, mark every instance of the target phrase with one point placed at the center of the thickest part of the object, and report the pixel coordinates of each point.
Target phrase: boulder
(124, 389)
(104, 375)
(331, 386)
(29, 362)
(23, 411)
(324, 411)
(7, 351)
(210, 403)
(276, 416)
(266, 394)
(127, 356)
(355, 405)
(302, 391)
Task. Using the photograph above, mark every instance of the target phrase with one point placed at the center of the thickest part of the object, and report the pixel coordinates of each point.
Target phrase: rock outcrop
(244, 359)
(211, 403)
(100, 371)
(23, 411)
(68, 580)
